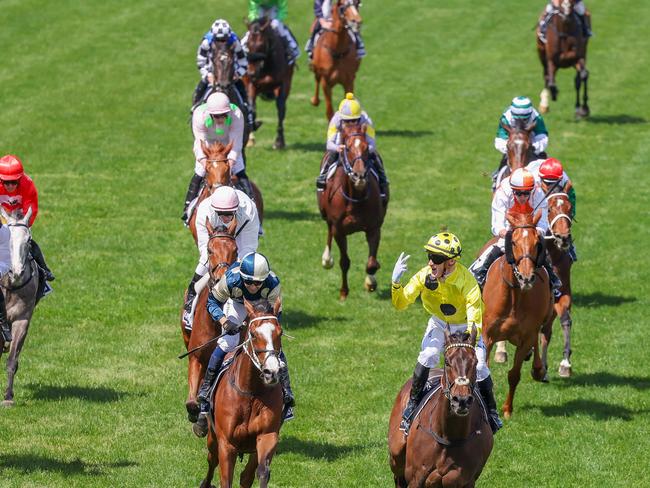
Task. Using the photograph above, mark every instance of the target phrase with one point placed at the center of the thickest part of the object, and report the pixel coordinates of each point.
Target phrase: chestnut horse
(269, 73)
(248, 402)
(519, 149)
(335, 59)
(450, 441)
(518, 299)
(565, 46)
(351, 202)
(222, 252)
(559, 217)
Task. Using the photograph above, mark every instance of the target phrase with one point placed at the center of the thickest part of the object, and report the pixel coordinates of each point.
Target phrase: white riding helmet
(254, 267)
(521, 107)
(224, 199)
(218, 103)
(221, 29)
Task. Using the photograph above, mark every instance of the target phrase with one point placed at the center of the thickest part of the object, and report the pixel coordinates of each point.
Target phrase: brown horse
(519, 149)
(351, 202)
(269, 73)
(248, 403)
(450, 441)
(222, 252)
(565, 46)
(559, 217)
(335, 59)
(518, 299)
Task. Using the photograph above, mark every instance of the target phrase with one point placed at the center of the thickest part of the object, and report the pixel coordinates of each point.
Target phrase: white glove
(400, 267)
(539, 146)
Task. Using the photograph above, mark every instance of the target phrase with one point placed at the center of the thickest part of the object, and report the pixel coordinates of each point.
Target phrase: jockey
(220, 31)
(223, 205)
(350, 112)
(323, 13)
(19, 192)
(518, 194)
(276, 10)
(217, 120)
(519, 112)
(250, 279)
(553, 6)
(448, 292)
(551, 177)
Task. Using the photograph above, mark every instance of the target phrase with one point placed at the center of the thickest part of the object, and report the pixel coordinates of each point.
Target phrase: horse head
(559, 217)
(259, 46)
(519, 143)
(222, 248)
(525, 250)
(223, 63)
(355, 154)
(566, 7)
(217, 168)
(347, 12)
(460, 370)
(263, 344)
(21, 236)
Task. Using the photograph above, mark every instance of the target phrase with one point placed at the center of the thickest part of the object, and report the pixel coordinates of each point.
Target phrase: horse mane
(459, 337)
(520, 217)
(214, 149)
(262, 305)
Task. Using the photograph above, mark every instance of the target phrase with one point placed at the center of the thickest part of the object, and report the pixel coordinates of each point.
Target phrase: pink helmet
(224, 199)
(218, 103)
(11, 169)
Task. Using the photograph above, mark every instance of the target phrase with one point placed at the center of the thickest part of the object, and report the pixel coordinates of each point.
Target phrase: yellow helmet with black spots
(350, 108)
(445, 244)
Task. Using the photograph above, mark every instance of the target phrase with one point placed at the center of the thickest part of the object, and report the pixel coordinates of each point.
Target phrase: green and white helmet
(521, 108)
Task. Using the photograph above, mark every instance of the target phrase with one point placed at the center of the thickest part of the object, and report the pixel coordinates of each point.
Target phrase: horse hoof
(328, 263)
(278, 145)
(565, 369)
(507, 414)
(500, 357)
(8, 403)
(315, 101)
(251, 141)
(543, 109)
(370, 283)
(343, 296)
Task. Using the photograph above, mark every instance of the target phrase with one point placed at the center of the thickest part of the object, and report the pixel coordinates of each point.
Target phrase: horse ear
(249, 309)
(28, 215)
(208, 226)
(277, 306)
(4, 214)
(204, 147)
(538, 215)
(567, 187)
(505, 127)
(447, 333)
(530, 126)
(510, 218)
(232, 227)
(228, 148)
(472, 338)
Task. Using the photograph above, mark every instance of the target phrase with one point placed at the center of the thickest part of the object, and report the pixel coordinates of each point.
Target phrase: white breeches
(235, 312)
(433, 343)
(199, 167)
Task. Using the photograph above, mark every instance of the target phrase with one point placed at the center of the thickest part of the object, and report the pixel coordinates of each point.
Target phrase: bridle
(29, 266)
(515, 262)
(252, 353)
(348, 164)
(559, 216)
(225, 59)
(214, 186)
(460, 380)
(259, 56)
(221, 264)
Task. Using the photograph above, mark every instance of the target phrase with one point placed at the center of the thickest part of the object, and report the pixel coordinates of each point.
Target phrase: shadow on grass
(594, 409)
(88, 393)
(297, 319)
(318, 147)
(28, 463)
(315, 450)
(598, 299)
(620, 119)
(291, 215)
(404, 133)
(605, 380)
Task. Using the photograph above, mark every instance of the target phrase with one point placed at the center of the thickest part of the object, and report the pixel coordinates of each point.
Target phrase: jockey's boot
(293, 50)
(420, 376)
(285, 381)
(240, 90)
(37, 254)
(361, 47)
(480, 267)
(486, 388)
(330, 159)
(572, 252)
(199, 91)
(244, 184)
(585, 22)
(189, 299)
(381, 175)
(200, 428)
(556, 283)
(192, 192)
(5, 326)
(309, 47)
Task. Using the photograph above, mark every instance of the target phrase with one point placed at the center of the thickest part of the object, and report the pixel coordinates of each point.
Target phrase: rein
(515, 263)
(347, 167)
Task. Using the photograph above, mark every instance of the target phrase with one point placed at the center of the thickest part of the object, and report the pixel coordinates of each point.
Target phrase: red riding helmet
(11, 169)
(551, 169)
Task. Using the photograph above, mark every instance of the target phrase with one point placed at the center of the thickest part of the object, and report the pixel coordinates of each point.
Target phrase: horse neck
(247, 377)
(446, 424)
(338, 36)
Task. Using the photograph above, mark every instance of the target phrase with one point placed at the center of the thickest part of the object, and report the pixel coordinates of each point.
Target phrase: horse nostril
(470, 400)
(455, 399)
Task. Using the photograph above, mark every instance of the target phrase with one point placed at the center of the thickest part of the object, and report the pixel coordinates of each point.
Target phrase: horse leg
(514, 375)
(538, 370)
(584, 76)
(545, 95)
(19, 335)
(372, 236)
(565, 321)
(344, 261)
(281, 105)
(315, 101)
(247, 476)
(194, 376)
(213, 460)
(551, 79)
(501, 354)
(327, 260)
(327, 92)
(545, 339)
(252, 103)
(227, 458)
(266, 445)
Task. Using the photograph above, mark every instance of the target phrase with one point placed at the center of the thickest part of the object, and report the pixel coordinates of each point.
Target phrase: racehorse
(565, 46)
(450, 441)
(518, 298)
(351, 202)
(269, 73)
(559, 217)
(22, 287)
(519, 149)
(222, 252)
(248, 402)
(335, 59)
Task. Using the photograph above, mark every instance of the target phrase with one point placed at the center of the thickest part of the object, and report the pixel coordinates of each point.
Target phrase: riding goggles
(437, 258)
(253, 282)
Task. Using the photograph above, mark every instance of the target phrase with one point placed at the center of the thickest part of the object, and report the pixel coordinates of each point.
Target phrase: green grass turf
(94, 97)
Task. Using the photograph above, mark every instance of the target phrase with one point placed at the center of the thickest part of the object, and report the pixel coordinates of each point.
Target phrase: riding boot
(572, 252)
(480, 267)
(199, 91)
(244, 184)
(495, 173)
(556, 283)
(485, 387)
(37, 254)
(192, 192)
(309, 48)
(322, 177)
(285, 381)
(420, 376)
(381, 175)
(200, 428)
(189, 299)
(586, 27)
(5, 326)
(361, 48)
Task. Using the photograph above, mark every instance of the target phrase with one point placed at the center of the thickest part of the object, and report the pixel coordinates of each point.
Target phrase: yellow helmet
(350, 108)
(446, 244)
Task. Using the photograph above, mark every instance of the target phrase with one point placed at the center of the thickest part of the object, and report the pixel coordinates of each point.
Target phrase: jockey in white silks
(223, 205)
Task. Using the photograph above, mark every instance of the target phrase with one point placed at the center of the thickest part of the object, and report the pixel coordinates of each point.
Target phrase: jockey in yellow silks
(450, 293)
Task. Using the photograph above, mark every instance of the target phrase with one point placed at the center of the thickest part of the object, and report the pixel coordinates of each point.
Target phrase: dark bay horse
(520, 150)
(335, 59)
(222, 252)
(565, 46)
(559, 217)
(21, 286)
(518, 299)
(351, 202)
(248, 403)
(450, 441)
(269, 73)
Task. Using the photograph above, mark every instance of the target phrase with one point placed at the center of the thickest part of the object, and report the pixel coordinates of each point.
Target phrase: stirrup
(200, 427)
(495, 422)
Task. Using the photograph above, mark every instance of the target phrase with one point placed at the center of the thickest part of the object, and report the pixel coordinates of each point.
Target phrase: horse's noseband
(461, 380)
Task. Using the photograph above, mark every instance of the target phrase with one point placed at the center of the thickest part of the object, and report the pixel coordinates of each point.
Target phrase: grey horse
(21, 286)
